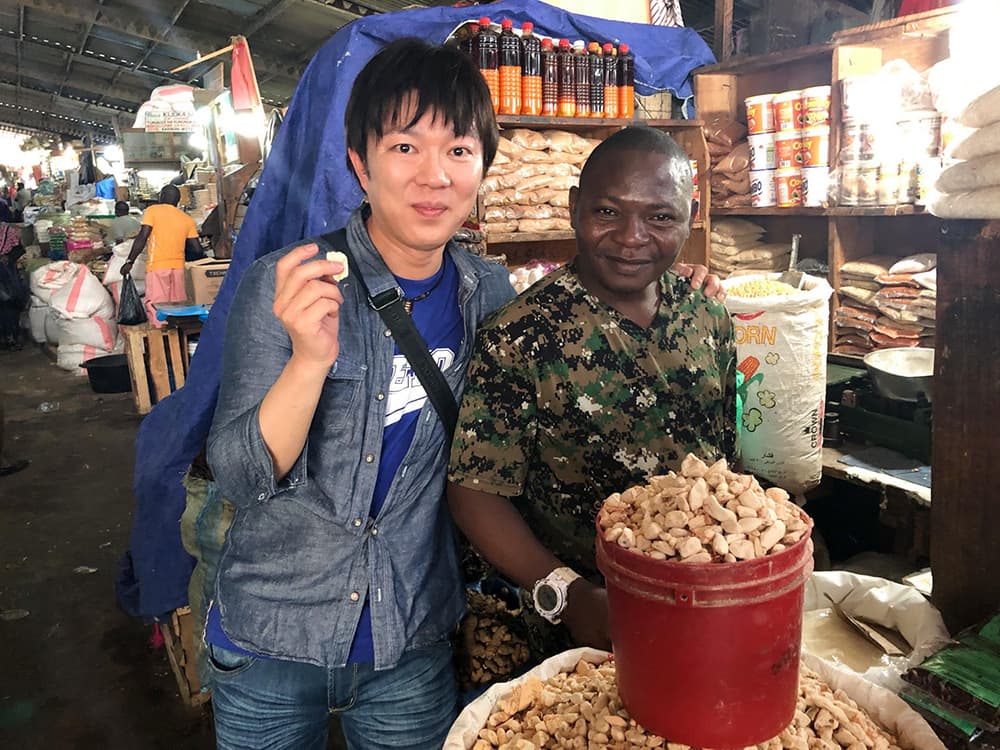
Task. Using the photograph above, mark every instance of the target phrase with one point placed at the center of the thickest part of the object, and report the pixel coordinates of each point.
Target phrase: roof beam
(159, 30)
(69, 107)
(92, 59)
(52, 122)
(92, 100)
(264, 16)
(83, 45)
(20, 36)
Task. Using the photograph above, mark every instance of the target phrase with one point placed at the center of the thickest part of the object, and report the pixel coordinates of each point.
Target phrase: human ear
(358, 164)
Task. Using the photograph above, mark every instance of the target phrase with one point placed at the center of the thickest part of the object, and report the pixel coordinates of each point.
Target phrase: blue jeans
(278, 705)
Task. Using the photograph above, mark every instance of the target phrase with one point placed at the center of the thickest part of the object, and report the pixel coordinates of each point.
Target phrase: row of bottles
(528, 75)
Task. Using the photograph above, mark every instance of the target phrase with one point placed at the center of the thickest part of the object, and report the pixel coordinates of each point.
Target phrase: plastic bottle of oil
(582, 76)
(610, 80)
(470, 43)
(596, 79)
(550, 79)
(626, 83)
(567, 80)
(531, 71)
(510, 69)
(489, 59)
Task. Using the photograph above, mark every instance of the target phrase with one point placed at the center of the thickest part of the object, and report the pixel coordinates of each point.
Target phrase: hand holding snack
(307, 302)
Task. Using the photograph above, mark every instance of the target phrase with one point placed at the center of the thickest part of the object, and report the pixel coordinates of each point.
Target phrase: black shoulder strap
(389, 305)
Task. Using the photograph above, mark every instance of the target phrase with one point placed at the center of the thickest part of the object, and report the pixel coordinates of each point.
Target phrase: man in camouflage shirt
(608, 371)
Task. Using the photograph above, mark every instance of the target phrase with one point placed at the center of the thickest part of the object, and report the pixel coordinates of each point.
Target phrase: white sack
(51, 324)
(979, 143)
(975, 204)
(95, 331)
(781, 345)
(982, 111)
(970, 175)
(37, 313)
(887, 709)
(83, 297)
(70, 357)
(876, 600)
(51, 277)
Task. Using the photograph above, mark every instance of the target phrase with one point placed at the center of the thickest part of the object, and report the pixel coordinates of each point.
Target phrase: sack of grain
(781, 344)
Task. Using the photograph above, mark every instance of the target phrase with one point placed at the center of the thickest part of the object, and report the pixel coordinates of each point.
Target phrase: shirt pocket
(341, 394)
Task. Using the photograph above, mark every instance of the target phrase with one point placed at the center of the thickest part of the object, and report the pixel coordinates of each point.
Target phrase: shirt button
(357, 521)
(261, 496)
(387, 333)
(355, 596)
(375, 531)
(379, 396)
(368, 459)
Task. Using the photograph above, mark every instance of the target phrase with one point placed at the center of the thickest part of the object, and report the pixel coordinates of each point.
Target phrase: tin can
(888, 183)
(816, 106)
(788, 149)
(788, 111)
(850, 183)
(762, 184)
(816, 183)
(857, 141)
(816, 146)
(920, 133)
(868, 185)
(928, 171)
(762, 151)
(789, 187)
(760, 114)
(907, 182)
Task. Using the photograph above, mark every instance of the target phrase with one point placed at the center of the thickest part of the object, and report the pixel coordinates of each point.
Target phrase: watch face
(547, 598)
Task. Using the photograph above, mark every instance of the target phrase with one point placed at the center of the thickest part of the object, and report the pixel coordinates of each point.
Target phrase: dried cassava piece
(581, 709)
(704, 514)
(488, 650)
(335, 256)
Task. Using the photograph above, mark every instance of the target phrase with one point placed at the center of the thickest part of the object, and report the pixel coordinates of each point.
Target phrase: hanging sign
(164, 121)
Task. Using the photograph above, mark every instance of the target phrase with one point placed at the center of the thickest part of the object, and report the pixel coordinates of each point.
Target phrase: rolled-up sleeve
(255, 352)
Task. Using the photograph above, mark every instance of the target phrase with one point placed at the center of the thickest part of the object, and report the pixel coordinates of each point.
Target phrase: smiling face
(421, 182)
(632, 216)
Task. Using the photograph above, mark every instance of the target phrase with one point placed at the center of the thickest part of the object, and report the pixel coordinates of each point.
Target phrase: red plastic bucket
(707, 654)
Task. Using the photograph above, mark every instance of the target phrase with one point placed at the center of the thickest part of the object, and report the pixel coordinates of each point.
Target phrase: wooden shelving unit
(522, 246)
(835, 234)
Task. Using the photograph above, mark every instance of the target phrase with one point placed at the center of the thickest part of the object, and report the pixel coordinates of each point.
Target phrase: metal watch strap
(389, 305)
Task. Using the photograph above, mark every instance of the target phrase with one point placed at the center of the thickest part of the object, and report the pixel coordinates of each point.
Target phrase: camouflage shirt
(567, 401)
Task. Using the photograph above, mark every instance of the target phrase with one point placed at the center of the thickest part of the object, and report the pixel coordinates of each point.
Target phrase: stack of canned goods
(886, 158)
(789, 147)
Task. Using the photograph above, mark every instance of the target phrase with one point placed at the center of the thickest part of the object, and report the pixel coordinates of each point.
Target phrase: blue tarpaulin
(306, 190)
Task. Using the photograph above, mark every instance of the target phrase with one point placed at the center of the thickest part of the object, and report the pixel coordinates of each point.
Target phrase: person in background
(606, 373)
(124, 226)
(168, 233)
(22, 199)
(13, 289)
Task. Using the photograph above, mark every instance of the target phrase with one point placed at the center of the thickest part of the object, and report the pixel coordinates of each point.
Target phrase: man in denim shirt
(339, 582)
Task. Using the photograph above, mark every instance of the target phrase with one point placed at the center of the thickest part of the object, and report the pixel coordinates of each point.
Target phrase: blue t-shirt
(439, 320)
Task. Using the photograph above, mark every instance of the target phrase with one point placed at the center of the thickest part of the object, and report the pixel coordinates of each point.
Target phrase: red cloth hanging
(910, 7)
(243, 84)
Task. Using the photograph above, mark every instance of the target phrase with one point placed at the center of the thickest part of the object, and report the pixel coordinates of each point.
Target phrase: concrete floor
(75, 673)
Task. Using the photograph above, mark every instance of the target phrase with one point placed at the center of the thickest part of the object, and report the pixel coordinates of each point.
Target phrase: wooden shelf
(507, 237)
(527, 121)
(901, 210)
(751, 64)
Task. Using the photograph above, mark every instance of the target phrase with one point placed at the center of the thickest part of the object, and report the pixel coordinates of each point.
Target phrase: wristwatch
(549, 593)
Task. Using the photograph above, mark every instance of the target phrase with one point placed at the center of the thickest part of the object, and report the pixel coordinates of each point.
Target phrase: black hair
(170, 195)
(442, 79)
(20, 185)
(642, 139)
(121, 208)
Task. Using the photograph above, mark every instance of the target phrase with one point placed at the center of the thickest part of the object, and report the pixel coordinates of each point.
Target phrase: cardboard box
(203, 279)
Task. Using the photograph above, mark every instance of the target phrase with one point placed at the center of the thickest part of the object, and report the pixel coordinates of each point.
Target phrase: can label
(762, 188)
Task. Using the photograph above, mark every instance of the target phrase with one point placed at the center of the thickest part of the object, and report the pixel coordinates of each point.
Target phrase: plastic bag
(131, 312)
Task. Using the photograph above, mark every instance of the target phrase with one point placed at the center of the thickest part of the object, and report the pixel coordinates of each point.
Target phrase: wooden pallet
(179, 638)
(155, 355)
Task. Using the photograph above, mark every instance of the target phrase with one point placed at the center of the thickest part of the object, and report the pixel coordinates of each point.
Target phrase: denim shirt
(302, 554)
